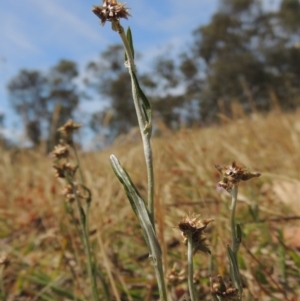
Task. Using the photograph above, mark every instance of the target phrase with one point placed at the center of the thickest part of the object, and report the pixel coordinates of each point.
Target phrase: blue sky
(36, 34)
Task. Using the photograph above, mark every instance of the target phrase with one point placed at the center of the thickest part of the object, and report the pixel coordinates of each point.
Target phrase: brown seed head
(195, 226)
(111, 10)
(70, 193)
(60, 151)
(68, 128)
(63, 169)
(218, 288)
(233, 174)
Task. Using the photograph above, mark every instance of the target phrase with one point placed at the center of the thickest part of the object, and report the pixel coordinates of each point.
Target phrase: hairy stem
(86, 244)
(142, 125)
(234, 238)
(84, 222)
(191, 268)
(234, 193)
(2, 290)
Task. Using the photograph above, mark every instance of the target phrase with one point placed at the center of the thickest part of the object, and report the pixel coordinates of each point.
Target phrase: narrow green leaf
(138, 206)
(119, 174)
(47, 282)
(105, 286)
(146, 106)
(83, 217)
(238, 233)
(130, 41)
(234, 269)
(254, 212)
(295, 257)
(260, 277)
(89, 197)
(282, 256)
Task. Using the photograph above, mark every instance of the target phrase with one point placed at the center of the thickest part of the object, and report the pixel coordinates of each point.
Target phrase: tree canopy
(247, 54)
(45, 99)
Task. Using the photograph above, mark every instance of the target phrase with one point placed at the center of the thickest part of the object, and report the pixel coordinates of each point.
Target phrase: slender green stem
(159, 273)
(2, 283)
(78, 162)
(86, 244)
(235, 239)
(234, 193)
(146, 138)
(142, 125)
(191, 268)
(139, 207)
(87, 207)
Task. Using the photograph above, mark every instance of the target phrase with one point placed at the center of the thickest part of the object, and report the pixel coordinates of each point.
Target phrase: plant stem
(142, 125)
(191, 268)
(83, 217)
(234, 238)
(234, 193)
(2, 290)
(78, 162)
(158, 267)
(86, 244)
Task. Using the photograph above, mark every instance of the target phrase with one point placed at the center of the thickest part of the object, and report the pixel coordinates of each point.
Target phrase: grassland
(46, 260)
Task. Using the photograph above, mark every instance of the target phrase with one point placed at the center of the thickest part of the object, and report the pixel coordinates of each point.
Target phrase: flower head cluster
(233, 174)
(111, 10)
(61, 150)
(194, 226)
(67, 130)
(70, 192)
(218, 288)
(64, 169)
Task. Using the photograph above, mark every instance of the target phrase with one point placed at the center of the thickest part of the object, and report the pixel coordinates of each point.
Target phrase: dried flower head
(194, 226)
(63, 169)
(68, 128)
(70, 193)
(218, 288)
(60, 151)
(233, 174)
(111, 10)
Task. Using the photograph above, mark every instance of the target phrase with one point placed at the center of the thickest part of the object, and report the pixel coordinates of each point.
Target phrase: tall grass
(45, 253)
(95, 250)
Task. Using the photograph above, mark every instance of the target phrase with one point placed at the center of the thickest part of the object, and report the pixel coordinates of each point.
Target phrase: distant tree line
(246, 54)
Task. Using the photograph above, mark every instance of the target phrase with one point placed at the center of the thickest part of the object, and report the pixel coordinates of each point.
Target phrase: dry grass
(45, 253)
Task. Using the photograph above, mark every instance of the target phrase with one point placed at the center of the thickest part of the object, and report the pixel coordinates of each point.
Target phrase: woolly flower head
(111, 10)
(193, 225)
(233, 174)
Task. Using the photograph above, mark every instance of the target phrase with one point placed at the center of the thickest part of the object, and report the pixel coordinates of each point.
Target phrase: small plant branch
(139, 208)
(145, 127)
(86, 244)
(236, 240)
(77, 161)
(84, 225)
(191, 267)
(108, 268)
(2, 289)
(234, 193)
